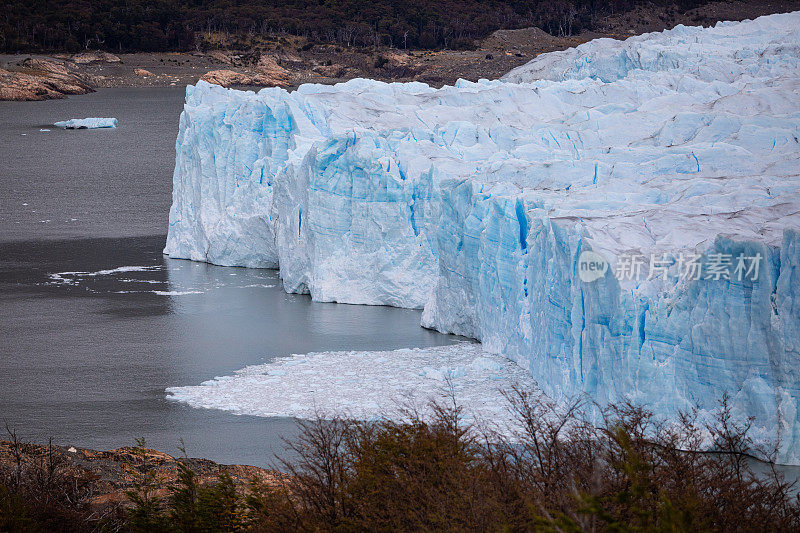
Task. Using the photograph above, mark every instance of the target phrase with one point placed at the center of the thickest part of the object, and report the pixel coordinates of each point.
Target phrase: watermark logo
(686, 266)
(591, 266)
(691, 267)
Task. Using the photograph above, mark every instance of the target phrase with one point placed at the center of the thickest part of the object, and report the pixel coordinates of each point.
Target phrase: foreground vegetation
(560, 473)
(171, 25)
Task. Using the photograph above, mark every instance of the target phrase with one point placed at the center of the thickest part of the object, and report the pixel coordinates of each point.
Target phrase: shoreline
(289, 61)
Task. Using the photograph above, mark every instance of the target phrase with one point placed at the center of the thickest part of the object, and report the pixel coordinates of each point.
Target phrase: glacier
(86, 123)
(476, 202)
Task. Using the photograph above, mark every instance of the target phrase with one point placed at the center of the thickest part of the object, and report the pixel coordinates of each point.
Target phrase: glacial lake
(95, 322)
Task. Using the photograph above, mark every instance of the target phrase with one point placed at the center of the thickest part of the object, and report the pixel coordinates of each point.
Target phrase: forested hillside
(172, 25)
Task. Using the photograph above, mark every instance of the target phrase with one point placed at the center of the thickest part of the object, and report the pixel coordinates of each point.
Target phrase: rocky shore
(283, 66)
(288, 61)
(42, 79)
(106, 476)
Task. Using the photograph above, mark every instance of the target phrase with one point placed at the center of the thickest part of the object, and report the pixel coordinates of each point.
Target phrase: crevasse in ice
(477, 202)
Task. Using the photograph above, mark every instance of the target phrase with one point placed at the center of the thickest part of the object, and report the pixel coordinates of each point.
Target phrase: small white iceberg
(87, 123)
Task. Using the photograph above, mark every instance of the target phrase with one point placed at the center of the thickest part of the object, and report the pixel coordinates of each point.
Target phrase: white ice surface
(366, 385)
(72, 278)
(86, 123)
(183, 279)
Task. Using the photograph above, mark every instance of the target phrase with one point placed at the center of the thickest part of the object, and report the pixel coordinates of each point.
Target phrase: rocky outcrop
(41, 79)
(268, 67)
(260, 70)
(112, 473)
(331, 71)
(227, 78)
(222, 57)
(55, 67)
(95, 57)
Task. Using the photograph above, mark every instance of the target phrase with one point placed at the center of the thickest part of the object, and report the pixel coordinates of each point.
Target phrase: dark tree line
(173, 25)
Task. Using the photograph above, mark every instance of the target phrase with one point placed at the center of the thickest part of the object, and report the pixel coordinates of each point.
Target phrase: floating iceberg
(87, 123)
(621, 219)
(367, 385)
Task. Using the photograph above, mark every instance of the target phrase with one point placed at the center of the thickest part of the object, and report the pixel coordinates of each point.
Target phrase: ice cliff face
(659, 159)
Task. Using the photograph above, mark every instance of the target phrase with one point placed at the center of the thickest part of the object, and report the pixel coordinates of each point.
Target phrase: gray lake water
(85, 358)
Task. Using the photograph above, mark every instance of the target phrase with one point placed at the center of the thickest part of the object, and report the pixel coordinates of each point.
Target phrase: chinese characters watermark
(686, 266)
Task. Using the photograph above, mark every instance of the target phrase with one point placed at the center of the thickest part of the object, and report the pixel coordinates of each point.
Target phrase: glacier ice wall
(476, 202)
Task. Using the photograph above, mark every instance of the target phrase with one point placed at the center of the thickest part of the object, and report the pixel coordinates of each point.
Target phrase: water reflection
(252, 304)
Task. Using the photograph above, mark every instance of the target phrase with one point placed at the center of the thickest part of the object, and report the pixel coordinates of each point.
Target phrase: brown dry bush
(571, 466)
(45, 494)
(560, 472)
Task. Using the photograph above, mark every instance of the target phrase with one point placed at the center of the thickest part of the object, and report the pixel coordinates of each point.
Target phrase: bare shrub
(570, 466)
(39, 492)
(559, 472)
